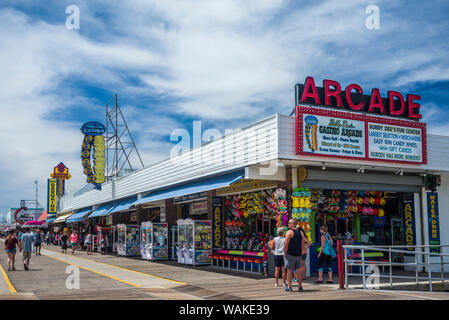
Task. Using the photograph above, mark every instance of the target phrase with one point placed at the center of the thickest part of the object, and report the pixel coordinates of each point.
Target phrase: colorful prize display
(262, 205)
(302, 209)
(93, 136)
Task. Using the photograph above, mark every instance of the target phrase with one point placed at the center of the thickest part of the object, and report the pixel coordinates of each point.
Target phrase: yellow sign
(247, 185)
(51, 207)
(99, 159)
(409, 234)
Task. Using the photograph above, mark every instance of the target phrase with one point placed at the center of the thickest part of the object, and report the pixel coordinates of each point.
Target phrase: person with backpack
(37, 242)
(293, 246)
(325, 255)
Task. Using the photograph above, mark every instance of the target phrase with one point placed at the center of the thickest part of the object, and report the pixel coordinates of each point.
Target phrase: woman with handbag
(326, 254)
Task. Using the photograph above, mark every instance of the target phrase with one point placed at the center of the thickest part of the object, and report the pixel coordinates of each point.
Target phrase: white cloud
(226, 61)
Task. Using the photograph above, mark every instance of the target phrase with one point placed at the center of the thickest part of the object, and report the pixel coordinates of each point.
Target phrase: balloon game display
(265, 204)
(346, 204)
(302, 209)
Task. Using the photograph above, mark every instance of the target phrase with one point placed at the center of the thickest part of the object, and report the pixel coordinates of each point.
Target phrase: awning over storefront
(122, 205)
(62, 218)
(101, 210)
(194, 187)
(79, 216)
(50, 220)
(345, 180)
(43, 216)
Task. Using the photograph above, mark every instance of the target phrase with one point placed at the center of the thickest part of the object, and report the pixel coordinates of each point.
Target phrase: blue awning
(79, 216)
(51, 220)
(101, 210)
(194, 187)
(121, 205)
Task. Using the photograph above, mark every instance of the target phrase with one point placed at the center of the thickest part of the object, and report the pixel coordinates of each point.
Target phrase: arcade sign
(352, 98)
(329, 133)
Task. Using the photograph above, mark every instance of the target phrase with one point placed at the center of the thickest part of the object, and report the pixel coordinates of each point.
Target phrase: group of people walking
(24, 241)
(75, 241)
(290, 253)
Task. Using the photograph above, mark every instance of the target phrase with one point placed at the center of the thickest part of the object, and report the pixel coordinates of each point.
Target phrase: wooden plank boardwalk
(137, 279)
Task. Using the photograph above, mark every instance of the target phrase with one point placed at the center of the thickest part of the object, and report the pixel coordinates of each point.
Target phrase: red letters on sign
(376, 101)
(328, 93)
(310, 84)
(348, 96)
(331, 95)
(412, 105)
(391, 95)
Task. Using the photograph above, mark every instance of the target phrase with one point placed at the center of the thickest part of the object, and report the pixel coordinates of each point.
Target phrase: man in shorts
(293, 247)
(27, 246)
(37, 242)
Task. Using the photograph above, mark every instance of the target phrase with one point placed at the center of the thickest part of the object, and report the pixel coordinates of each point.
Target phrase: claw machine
(194, 241)
(128, 240)
(173, 243)
(154, 241)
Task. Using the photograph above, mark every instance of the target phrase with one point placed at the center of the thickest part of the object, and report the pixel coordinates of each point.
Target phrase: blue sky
(226, 63)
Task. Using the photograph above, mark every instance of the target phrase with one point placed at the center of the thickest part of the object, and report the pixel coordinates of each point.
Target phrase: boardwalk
(113, 277)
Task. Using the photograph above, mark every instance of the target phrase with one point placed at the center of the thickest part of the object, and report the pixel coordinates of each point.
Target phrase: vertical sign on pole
(408, 207)
(217, 223)
(433, 221)
(51, 196)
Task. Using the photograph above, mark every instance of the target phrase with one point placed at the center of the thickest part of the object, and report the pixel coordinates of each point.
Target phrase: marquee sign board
(328, 133)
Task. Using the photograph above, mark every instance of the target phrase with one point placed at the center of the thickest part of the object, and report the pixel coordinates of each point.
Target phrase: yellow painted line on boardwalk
(105, 275)
(146, 274)
(5, 276)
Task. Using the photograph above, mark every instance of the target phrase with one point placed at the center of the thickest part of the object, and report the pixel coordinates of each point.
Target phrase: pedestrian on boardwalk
(63, 240)
(103, 244)
(277, 247)
(11, 242)
(48, 238)
(27, 246)
(305, 246)
(74, 241)
(89, 241)
(325, 255)
(37, 242)
(81, 241)
(293, 245)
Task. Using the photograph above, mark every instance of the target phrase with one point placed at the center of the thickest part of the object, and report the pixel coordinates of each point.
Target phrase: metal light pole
(37, 203)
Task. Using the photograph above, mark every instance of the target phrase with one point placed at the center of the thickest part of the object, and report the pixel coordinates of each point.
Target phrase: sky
(224, 63)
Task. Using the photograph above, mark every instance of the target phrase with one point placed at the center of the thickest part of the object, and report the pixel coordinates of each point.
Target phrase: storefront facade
(361, 187)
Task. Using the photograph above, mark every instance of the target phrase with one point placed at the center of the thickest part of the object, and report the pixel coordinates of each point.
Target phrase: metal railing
(424, 251)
